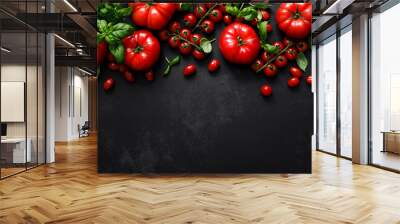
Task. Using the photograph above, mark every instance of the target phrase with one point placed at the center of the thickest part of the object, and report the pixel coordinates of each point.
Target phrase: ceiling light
(65, 41)
(70, 5)
(84, 71)
(5, 50)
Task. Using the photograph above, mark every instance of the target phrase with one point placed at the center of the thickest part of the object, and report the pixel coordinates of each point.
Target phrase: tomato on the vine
(266, 90)
(174, 27)
(287, 41)
(294, 19)
(113, 66)
(222, 8)
(254, 22)
(189, 70)
(195, 38)
(281, 61)
(278, 44)
(265, 56)
(291, 53)
(309, 80)
(198, 55)
(257, 64)
(207, 26)
(149, 75)
(214, 65)
(270, 70)
(227, 19)
(239, 43)
(174, 41)
(265, 15)
(185, 48)
(293, 82)
(185, 33)
(152, 15)
(189, 20)
(163, 35)
(269, 27)
(302, 46)
(108, 84)
(215, 15)
(295, 72)
(200, 11)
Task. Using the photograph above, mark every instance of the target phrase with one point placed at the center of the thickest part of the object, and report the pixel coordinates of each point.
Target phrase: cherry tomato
(185, 33)
(163, 35)
(293, 82)
(265, 15)
(302, 46)
(123, 68)
(257, 64)
(287, 41)
(266, 90)
(200, 11)
(309, 80)
(149, 75)
(110, 57)
(195, 38)
(269, 28)
(207, 26)
(198, 55)
(227, 19)
(185, 48)
(174, 27)
(222, 8)
(278, 44)
(129, 76)
(291, 53)
(108, 84)
(189, 20)
(265, 57)
(214, 65)
(254, 22)
(295, 72)
(113, 66)
(209, 5)
(270, 70)
(215, 15)
(281, 61)
(189, 70)
(174, 42)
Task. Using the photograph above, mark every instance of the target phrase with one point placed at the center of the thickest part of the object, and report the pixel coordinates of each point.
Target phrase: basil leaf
(102, 26)
(262, 6)
(271, 48)
(111, 39)
(205, 45)
(259, 15)
(167, 70)
(124, 12)
(231, 9)
(121, 30)
(262, 28)
(302, 61)
(118, 51)
(248, 13)
(186, 7)
(175, 61)
(100, 37)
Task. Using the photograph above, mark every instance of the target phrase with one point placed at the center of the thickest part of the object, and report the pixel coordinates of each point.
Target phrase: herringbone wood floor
(71, 191)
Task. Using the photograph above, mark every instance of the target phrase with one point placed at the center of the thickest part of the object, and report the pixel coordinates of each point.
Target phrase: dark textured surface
(209, 123)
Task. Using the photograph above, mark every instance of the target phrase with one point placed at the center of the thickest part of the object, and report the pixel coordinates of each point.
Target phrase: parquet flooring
(71, 191)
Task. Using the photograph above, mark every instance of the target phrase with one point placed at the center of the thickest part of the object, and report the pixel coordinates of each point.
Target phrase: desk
(391, 141)
(16, 147)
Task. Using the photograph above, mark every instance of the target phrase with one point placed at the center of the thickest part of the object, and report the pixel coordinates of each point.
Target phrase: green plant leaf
(232, 9)
(100, 37)
(121, 30)
(262, 5)
(111, 39)
(167, 70)
(262, 28)
(302, 61)
(248, 13)
(259, 16)
(205, 45)
(102, 26)
(118, 51)
(186, 7)
(175, 61)
(123, 12)
(271, 48)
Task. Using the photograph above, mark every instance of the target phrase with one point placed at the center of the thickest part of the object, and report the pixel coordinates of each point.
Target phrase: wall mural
(249, 60)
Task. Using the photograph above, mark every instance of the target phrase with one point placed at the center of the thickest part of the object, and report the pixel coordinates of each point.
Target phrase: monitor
(3, 129)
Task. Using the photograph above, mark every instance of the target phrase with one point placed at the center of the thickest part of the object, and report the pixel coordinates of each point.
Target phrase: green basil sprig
(113, 12)
(302, 61)
(171, 63)
(250, 12)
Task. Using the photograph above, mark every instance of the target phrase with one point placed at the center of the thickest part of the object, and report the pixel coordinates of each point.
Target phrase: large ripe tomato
(152, 15)
(142, 50)
(294, 19)
(239, 43)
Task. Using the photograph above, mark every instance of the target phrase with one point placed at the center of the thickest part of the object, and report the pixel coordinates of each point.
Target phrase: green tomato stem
(205, 15)
(272, 59)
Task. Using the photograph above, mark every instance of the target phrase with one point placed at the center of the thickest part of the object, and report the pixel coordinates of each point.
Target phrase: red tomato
(174, 41)
(108, 84)
(110, 57)
(198, 55)
(215, 15)
(281, 61)
(291, 53)
(227, 19)
(265, 57)
(185, 48)
(239, 43)
(189, 70)
(265, 15)
(163, 35)
(149, 75)
(270, 70)
(309, 80)
(257, 65)
(302, 46)
(152, 15)
(293, 82)
(287, 41)
(200, 11)
(294, 19)
(189, 20)
(129, 76)
(101, 52)
(266, 90)
(278, 44)
(214, 65)
(295, 72)
(113, 66)
(142, 50)
(254, 22)
(207, 26)
(195, 38)
(185, 33)
(222, 8)
(269, 28)
(174, 27)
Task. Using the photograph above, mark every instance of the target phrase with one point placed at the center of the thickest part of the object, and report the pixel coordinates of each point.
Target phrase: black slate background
(209, 123)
